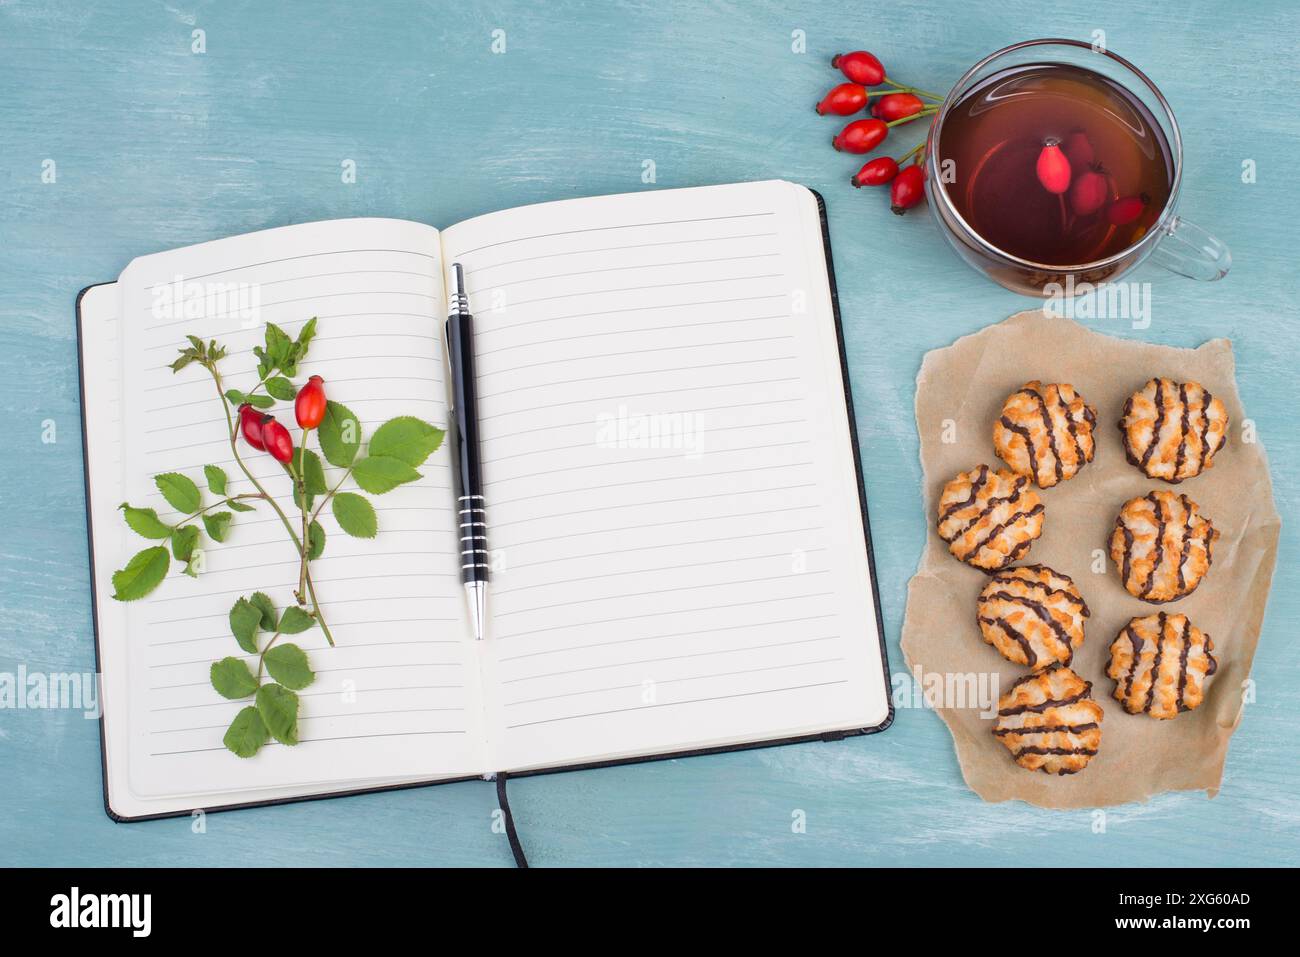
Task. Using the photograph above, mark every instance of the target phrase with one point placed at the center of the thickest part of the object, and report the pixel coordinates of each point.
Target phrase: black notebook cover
(745, 746)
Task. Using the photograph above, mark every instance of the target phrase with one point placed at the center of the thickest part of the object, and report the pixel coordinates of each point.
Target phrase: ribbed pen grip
(473, 538)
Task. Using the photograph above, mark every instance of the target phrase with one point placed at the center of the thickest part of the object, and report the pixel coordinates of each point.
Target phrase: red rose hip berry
(250, 426)
(907, 189)
(277, 440)
(1053, 167)
(1089, 192)
(309, 406)
(876, 172)
(861, 136)
(842, 100)
(897, 106)
(1124, 211)
(860, 67)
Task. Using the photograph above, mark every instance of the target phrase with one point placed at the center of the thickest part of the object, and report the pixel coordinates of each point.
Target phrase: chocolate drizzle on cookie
(992, 523)
(1140, 658)
(1028, 432)
(1165, 453)
(1162, 546)
(1049, 722)
(1033, 615)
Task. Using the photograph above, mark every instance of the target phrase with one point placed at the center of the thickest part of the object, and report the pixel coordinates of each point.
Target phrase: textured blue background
(158, 147)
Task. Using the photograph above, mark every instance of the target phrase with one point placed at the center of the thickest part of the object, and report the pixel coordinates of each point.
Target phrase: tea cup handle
(1191, 251)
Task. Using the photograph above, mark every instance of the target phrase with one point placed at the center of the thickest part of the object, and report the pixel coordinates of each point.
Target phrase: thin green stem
(234, 448)
(330, 494)
(928, 111)
(901, 88)
(261, 657)
(315, 606)
(902, 160)
(302, 506)
(284, 519)
(208, 508)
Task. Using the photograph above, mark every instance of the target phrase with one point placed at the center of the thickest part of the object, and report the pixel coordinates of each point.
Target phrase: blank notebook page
(671, 491)
(398, 697)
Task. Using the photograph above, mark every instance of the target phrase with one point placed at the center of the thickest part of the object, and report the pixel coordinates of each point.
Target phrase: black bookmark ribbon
(512, 835)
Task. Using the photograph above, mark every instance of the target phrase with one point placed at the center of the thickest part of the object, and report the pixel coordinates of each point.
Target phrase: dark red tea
(1103, 182)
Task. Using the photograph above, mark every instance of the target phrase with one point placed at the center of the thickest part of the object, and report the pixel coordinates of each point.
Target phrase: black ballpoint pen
(470, 503)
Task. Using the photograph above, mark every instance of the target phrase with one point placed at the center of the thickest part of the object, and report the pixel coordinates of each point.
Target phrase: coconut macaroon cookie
(1160, 664)
(1173, 429)
(1162, 546)
(1033, 615)
(1045, 432)
(989, 519)
(1049, 722)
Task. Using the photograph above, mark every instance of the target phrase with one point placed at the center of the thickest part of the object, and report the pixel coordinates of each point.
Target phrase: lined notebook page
(397, 697)
(669, 479)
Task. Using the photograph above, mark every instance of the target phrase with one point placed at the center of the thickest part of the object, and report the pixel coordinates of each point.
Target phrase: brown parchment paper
(1139, 756)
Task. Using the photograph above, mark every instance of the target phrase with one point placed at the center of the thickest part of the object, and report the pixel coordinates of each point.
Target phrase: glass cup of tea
(1053, 163)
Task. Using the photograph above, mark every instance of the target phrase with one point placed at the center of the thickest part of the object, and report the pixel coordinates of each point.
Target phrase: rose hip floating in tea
(1053, 168)
(1090, 191)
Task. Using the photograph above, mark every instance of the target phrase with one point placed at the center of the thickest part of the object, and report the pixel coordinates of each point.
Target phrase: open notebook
(657, 591)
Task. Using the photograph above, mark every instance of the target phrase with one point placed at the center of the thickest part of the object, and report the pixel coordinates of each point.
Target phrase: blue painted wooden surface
(157, 146)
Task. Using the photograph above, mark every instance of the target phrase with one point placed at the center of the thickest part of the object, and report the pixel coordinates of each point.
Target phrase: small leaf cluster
(204, 353)
(277, 364)
(147, 568)
(396, 450)
(274, 711)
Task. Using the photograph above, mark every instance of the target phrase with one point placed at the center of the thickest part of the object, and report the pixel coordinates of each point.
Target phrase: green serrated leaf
(340, 435)
(142, 574)
(145, 522)
(245, 619)
(313, 472)
(185, 358)
(217, 524)
(180, 491)
(281, 388)
(232, 678)
(236, 397)
(278, 344)
(295, 621)
(378, 474)
(183, 541)
(239, 506)
(246, 734)
(259, 401)
(262, 601)
(305, 336)
(216, 479)
(406, 439)
(355, 515)
(313, 475)
(278, 707)
(287, 664)
(315, 541)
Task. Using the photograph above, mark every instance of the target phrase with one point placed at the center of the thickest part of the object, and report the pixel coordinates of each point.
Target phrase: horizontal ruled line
(673, 704)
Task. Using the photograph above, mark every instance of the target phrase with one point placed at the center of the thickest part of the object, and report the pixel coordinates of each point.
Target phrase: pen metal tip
(476, 593)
